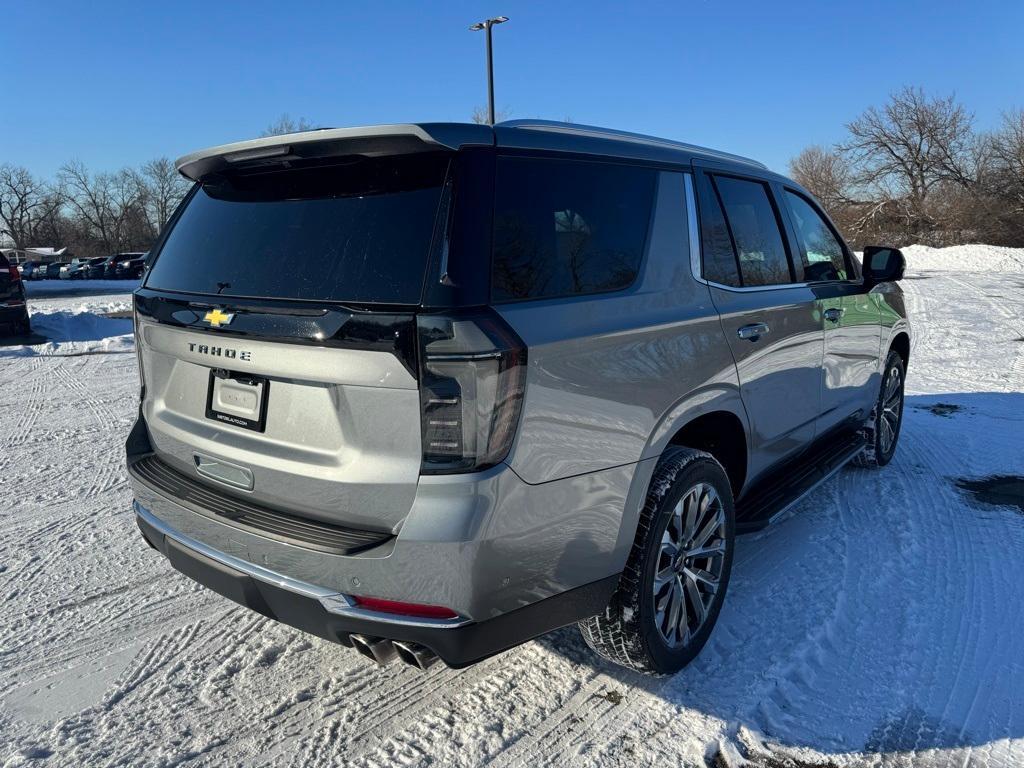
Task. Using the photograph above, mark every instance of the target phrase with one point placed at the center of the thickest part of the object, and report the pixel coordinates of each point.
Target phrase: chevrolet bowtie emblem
(216, 318)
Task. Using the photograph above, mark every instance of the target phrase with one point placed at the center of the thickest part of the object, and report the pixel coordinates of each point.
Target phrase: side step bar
(784, 487)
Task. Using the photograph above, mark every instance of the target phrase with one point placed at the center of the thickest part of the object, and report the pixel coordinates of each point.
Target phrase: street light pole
(486, 26)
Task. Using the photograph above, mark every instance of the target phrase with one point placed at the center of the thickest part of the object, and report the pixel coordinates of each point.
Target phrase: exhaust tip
(377, 649)
(415, 655)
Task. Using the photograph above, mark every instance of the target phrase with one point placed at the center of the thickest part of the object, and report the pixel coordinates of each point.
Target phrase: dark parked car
(111, 264)
(132, 268)
(13, 307)
(52, 271)
(32, 270)
(86, 269)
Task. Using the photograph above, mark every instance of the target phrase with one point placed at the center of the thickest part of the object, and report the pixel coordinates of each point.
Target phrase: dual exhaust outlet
(385, 651)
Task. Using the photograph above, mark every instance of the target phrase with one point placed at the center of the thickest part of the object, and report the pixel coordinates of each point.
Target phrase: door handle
(753, 332)
(833, 314)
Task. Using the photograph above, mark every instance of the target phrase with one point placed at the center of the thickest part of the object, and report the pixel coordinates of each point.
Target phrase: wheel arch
(900, 343)
(700, 420)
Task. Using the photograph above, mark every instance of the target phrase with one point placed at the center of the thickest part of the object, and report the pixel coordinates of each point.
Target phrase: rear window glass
(564, 227)
(359, 231)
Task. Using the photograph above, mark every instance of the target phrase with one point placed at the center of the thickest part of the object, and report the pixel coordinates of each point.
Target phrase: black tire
(627, 633)
(23, 327)
(879, 451)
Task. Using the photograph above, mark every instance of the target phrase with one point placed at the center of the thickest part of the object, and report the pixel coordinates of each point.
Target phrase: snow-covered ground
(880, 623)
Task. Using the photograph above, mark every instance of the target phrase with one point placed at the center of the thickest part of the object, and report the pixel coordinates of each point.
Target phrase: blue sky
(115, 84)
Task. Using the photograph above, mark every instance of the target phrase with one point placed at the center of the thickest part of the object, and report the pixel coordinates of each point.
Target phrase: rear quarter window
(567, 227)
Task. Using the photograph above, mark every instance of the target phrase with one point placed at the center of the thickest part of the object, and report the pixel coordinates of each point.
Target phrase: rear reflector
(405, 609)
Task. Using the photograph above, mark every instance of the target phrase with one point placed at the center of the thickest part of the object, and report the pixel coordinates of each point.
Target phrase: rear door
(851, 317)
(278, 340)
(771, 322)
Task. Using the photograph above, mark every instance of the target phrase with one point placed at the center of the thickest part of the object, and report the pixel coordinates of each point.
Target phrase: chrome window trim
(332, 601)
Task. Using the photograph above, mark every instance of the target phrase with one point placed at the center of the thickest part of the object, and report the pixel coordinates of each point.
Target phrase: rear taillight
(15, 274)
(472, 380)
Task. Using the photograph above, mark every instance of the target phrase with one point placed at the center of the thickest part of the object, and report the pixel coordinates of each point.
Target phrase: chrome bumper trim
(333, 602)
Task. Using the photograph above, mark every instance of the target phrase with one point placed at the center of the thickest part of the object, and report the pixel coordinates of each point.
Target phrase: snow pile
(965, 258)
(80, 330)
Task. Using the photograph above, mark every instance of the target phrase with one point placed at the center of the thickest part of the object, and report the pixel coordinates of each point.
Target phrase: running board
(772, 496)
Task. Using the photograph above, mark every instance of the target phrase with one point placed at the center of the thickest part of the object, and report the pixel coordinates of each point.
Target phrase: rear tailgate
(278, 341)
(340, 434)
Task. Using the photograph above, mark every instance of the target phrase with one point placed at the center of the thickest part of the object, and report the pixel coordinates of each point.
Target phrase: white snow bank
(58, 287)
(79, 331)
(965, 258)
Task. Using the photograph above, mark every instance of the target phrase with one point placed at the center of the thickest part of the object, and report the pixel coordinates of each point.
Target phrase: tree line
(92, 214)
(917, 171)
(97, 214)
(912, 171)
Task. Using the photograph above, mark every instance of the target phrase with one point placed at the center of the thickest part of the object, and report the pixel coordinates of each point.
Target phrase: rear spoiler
(369, 141)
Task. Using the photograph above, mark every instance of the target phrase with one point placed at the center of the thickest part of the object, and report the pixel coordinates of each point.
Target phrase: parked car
(53, 270)
(132, 268)
(110, 267)
(543, 374)
(83, 269)
(93, 269)
(30, 270)
(72, 266)
(13, 306)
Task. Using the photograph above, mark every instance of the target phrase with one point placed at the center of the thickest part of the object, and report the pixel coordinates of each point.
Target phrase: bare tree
(1008, 158)
(479, 115)
(109, 204)
(284, 124)
(825, 173)
(905, 150)
(162, 189)
(25, 203)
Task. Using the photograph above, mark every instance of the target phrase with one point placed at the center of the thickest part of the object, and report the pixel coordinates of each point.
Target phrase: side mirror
(883, 265)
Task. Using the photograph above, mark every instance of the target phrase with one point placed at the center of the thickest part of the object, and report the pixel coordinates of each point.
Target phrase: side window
(755, 232)
(822, 253)
(565, 227)
(719, 258)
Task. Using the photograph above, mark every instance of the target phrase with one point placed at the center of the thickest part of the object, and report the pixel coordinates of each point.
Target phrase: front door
(851, 318)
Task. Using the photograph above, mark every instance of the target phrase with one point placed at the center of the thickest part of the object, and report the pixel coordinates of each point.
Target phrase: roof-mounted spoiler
(370, 141)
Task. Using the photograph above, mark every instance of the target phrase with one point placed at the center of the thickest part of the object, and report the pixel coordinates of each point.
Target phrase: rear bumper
(333, 616)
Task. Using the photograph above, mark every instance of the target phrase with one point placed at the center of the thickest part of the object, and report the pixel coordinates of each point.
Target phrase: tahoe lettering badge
(226, 352)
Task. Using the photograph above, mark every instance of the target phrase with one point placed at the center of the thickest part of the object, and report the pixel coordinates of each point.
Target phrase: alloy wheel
(892, 409)
(690, 564)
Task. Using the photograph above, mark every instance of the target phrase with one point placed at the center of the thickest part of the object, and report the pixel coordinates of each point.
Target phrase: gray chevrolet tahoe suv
(433, 390)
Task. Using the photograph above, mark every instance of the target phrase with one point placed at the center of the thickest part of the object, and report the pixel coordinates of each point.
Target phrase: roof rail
(596, 132)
